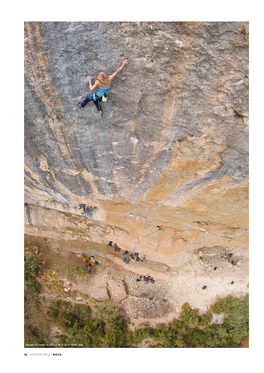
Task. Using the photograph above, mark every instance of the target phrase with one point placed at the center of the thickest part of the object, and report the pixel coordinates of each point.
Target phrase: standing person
(104, 83)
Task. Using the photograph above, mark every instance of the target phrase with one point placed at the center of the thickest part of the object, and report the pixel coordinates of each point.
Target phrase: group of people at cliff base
(103, 82)
(134, 256)
(127, 254)
(147, 279)
(89, 263)
(116, 248)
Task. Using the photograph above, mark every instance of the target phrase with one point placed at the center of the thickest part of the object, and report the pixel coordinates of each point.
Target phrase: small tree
(189, 316)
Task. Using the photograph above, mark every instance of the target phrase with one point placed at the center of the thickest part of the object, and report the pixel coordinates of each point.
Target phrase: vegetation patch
(63, 324)
(105, 328)
(30, 273)
(77, 270)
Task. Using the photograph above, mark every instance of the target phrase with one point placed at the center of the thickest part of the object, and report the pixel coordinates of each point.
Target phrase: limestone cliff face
(167, 171)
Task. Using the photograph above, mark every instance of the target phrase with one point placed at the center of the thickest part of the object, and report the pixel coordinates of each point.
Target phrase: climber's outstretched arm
(111, 77)
(92, 87)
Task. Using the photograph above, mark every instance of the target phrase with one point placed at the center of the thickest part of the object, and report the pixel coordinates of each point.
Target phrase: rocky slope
(166, 173)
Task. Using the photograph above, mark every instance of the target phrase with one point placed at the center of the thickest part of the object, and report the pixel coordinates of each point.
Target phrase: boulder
(117, 290)
(100, 294)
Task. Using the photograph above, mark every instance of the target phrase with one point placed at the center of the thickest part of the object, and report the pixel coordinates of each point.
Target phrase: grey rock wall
(175, 129)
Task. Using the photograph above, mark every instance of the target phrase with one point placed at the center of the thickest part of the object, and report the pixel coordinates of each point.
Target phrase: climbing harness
(104, 97)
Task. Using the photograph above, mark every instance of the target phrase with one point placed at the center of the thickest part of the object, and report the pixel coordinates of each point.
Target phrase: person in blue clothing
(104, 83)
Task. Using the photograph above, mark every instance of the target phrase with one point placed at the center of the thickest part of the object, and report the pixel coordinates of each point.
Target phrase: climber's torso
(103, 87)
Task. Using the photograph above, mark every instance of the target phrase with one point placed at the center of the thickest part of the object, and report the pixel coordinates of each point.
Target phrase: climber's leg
(99, 108)
(97, 105)
(85, 101)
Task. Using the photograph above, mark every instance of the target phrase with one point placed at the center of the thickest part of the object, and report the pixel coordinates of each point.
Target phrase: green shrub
(34, 335)
(107, 312)
(195, 337)
(66, 320)
(189, 316)
(80, 270)
(205, 319)
(216, 336)
(82, 311)
(106, 329)
(140, 334)
(30, 272)
(53, 314)
(178, 325)
(225, 305)
(60, 305)
(32, 286)
(115, 333)
(237, 322)
(30, 266)
(169, 337)
(115, 327)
